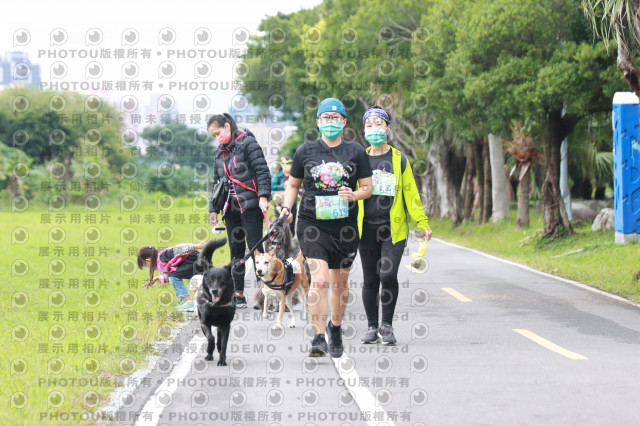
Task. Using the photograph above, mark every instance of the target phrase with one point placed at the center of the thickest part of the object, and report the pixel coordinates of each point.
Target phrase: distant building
(16, 68)
(269, 129)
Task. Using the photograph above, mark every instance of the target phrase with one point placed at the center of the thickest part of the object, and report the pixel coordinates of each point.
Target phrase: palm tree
(591, 159)
(524, 151)
(619, 19)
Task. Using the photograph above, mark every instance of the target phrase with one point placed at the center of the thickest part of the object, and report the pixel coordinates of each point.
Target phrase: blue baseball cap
(331, 105)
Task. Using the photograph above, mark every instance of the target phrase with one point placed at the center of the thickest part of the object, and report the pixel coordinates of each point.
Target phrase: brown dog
(258, 297)
(271, 271)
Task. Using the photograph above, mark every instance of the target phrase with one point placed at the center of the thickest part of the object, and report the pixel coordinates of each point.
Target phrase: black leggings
(241, 227)
(380, 262)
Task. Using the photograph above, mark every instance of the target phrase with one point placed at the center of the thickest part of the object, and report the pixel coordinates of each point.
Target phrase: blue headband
(375, 112)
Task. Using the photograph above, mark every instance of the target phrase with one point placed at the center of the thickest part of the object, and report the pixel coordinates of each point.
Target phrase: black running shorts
(337, 248)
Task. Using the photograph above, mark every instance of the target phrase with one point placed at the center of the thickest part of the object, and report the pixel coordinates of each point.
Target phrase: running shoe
(318, 346)
(386, 334)
(241, 301)
(371, 336)
(186, 306)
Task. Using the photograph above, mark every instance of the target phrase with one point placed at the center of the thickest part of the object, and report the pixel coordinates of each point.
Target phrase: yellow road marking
(549, 345)
(457, 295)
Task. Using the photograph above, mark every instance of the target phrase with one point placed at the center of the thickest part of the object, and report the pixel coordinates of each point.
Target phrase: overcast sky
(51, 31)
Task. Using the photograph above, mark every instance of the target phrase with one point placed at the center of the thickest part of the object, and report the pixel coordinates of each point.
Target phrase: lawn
(597, 260)
(73, 305)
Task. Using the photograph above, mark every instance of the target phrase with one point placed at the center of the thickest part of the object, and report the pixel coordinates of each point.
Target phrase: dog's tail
(204, 260)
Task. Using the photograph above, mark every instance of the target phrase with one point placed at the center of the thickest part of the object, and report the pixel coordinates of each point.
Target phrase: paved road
(480, 342)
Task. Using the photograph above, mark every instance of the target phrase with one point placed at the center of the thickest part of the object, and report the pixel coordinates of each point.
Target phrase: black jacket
(246, 163)
(185, 269)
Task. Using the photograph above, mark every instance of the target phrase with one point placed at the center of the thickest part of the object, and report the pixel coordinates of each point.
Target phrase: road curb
(152, 375)
(544, 274)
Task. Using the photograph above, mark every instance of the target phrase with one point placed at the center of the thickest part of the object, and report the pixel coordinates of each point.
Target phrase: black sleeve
(258, 164)
(167, 255)
(215, 167)
(403, 162)
(215, 179)
(364, 166)
(297, 167)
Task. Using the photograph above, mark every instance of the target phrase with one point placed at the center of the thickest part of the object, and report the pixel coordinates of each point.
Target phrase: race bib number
(331, 207)
(384, 183)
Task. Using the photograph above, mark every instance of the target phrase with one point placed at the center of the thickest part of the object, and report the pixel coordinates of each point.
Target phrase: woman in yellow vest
(382, 221)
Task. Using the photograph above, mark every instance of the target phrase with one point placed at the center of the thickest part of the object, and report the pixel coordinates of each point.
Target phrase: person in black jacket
(241, 159)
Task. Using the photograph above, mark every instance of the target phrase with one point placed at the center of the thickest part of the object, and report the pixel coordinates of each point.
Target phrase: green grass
(108, 320)
(601, 263)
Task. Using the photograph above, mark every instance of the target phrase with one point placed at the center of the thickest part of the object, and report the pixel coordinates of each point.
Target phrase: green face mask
(330, 129)
(375, 136)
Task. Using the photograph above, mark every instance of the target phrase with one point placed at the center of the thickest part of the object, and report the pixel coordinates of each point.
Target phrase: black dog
(216, 306)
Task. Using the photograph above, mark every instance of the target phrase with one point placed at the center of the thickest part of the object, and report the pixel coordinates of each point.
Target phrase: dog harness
(291, 268)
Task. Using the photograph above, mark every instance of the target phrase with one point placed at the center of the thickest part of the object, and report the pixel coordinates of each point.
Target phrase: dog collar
(213, 305)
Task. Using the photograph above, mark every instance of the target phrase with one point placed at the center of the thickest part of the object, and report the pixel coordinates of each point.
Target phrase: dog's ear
(272, 253)
(256, 252)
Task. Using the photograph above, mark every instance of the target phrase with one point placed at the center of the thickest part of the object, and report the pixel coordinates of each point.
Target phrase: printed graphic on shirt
(329, 176)
(384, 183)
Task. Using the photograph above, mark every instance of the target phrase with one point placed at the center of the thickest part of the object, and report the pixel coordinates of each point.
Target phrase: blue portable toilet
(626, 167)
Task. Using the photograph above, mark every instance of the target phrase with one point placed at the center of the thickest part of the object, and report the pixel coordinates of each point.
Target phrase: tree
(176, 144)
(591, 159)
(13, 163)
(619, 20)
(499, 180)
(35, 130)
(533, 59)
(524, 150)
(66, 135)
(434, 101)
